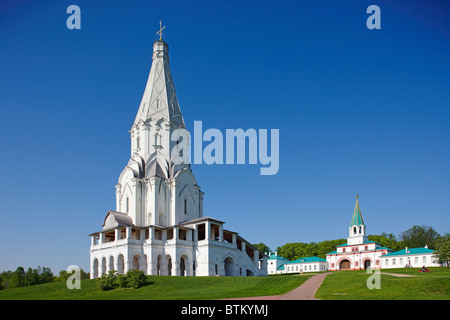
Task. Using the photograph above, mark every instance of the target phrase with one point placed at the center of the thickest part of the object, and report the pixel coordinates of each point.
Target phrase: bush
(133, 279)
(122, 281)
(136, 279)
(107, 281)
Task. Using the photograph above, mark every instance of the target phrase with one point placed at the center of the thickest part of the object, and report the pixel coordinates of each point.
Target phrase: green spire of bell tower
(357, 219)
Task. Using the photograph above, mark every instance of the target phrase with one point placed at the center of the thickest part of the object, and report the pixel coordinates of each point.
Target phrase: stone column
(151, 234)
(264, 264)
(208, 230)
(195, 234)
(221, 232)
(129, 232)
(256, 258)
(118, 191)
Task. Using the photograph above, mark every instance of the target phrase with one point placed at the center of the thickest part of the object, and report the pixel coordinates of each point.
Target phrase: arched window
(354, 230)
(360, 229)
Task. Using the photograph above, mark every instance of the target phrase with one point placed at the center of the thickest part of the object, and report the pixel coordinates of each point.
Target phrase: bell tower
(357, 229)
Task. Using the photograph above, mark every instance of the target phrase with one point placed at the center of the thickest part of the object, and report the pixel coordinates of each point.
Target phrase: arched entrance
(158, 265)
(103, 266)
(229, 267)
(136, 262)
(367, 264)
(344, 265)
(182, 266)
(111, 263)
(95, 267)
(120, 264)
(169, 265)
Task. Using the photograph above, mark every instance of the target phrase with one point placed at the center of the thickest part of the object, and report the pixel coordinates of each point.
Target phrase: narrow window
(128, 204)
(185, 206)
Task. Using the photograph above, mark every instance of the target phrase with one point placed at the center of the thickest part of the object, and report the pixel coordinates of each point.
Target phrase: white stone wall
(415, 261)
(211, 257)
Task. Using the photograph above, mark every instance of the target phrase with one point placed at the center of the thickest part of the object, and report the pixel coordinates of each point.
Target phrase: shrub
(107, 281)
(133, 279)
(136, 279)
(122, 281)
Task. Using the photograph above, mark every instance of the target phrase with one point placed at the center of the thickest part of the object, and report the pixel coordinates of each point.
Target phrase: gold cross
(160, 31)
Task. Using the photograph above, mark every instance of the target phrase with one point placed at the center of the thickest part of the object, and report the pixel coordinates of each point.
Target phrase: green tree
(46, 275)
(328, 246)
(32, 277)
(262, 248)
(385, 241)
(17, 278)
(64, 275)
(442, 251)
(419, 236)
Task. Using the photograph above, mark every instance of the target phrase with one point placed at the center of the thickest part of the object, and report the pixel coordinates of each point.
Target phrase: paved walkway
(305, 291)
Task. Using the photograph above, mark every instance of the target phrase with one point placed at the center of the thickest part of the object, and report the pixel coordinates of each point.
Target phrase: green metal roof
(411, 251)
(275, 257)
(308, 259)
(357, 219)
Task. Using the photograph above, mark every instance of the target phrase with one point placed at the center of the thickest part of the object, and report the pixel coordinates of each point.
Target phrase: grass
(164, 288)
(339, 285)
(352, 285)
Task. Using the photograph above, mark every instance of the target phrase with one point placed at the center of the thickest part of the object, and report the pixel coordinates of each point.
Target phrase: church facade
(358, 253)
(158, 225)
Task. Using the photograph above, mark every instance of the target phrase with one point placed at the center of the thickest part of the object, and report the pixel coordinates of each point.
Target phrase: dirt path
(398, 274)
(305, 291)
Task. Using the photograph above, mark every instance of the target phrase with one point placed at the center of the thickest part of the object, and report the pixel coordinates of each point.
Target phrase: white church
(158, 225)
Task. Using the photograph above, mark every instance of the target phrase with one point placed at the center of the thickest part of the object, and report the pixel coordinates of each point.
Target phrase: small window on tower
(128, 204)
(360, 229)
(185, 206)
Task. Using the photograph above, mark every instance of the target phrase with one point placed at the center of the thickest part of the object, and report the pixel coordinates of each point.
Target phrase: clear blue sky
(359, 112)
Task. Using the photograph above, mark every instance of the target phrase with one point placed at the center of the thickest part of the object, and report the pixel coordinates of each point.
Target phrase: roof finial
(357, 196)
(160, 31)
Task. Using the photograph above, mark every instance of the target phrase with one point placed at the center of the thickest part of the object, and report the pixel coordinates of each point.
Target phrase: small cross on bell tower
(161, 28)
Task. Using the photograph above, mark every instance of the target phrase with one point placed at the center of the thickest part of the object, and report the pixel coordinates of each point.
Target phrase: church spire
(357, 229)
(357, 219)
(159, 100)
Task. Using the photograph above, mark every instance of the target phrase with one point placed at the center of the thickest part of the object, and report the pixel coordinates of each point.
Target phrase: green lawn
(352, 285)
(164, 288)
